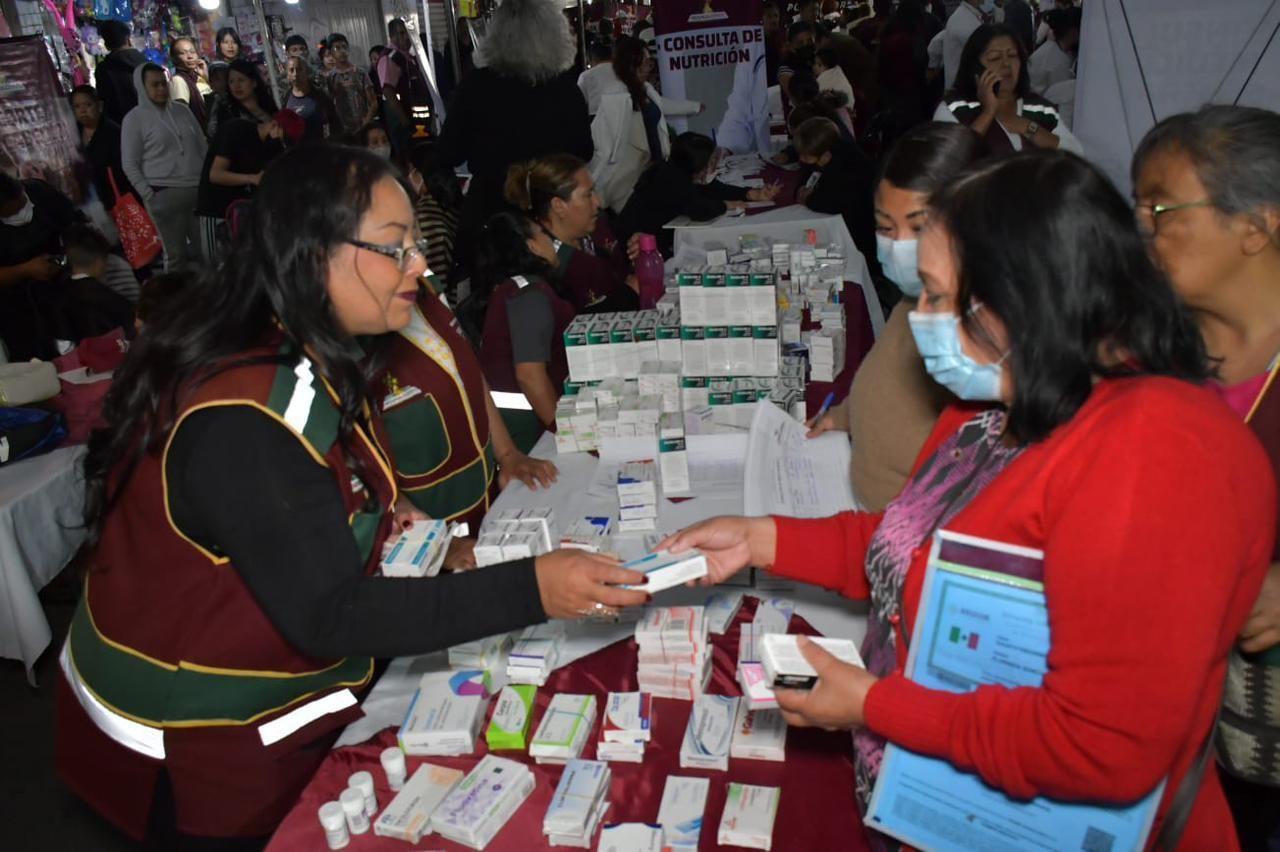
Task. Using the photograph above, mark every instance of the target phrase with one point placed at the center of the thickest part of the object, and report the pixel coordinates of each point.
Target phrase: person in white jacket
(162, 151)
(630, 127)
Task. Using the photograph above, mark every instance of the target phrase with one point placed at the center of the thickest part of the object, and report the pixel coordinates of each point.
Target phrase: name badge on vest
(398, 395)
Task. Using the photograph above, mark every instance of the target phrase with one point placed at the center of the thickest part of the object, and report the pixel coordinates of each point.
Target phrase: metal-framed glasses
(402, 255)
(1148, 215)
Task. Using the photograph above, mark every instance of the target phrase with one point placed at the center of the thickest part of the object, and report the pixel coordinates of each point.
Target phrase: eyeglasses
(402, 255)
(1148, 215)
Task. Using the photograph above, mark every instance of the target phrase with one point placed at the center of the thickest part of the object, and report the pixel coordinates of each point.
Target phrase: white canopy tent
(1143, 60)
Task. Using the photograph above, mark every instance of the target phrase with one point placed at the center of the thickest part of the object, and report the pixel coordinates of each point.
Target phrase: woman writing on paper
(239, 498)
(1047, 309)
(1207, 195)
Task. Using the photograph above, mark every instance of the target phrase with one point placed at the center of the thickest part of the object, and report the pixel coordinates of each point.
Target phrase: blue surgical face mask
(938, 339)
(988, 7)
(898, 262)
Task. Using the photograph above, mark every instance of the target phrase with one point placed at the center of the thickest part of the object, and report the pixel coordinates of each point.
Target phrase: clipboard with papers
(983, 620)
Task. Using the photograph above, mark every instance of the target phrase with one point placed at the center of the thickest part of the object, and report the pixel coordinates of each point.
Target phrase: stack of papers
(627, 726)
(579, 804)
(446, 713)
(674, 658)
(749, 812)
(683, 802)
(708, 737)
(419, 551)
(483, 801)
(564, 728)
(535, 653)
(664, 570)
(512, 716)
(759, 734)
(630, 837)
(487, 653)
(637, 496)
(408, 817)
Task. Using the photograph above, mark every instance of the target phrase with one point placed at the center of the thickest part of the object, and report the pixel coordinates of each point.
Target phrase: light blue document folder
(983, 620)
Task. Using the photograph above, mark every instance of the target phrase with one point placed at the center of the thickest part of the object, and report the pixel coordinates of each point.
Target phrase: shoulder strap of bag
(1175, 820)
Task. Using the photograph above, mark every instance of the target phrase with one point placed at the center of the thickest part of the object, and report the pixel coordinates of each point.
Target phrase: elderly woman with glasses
(452, 449)
(1207, 187)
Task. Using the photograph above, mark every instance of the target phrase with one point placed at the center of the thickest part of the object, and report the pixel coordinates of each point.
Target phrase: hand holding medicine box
(785, 666)
(664, 569)
(419, 551)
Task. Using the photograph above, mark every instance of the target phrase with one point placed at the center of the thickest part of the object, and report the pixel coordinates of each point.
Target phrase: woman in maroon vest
(558, 193)
(522, 348)
(238, 501)
(1207, 194)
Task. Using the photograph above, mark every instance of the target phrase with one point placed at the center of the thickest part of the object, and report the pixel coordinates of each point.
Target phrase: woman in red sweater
(1152, 503)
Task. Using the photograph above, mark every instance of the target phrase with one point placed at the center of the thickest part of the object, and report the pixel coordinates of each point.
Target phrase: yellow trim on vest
(462, 392)
(133, 652)
(209, 723)
(448, 442)
(164, 458)
(264, 673)
(466, 467)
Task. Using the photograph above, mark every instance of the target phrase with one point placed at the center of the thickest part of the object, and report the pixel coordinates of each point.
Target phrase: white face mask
(22, 217)
(898, 260)
(383, 151)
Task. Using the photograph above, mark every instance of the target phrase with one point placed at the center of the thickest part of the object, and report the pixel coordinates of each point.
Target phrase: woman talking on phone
(238, 500)
(992, 96)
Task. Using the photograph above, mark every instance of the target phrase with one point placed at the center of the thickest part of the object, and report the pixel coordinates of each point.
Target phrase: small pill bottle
(334, 821)
(363, 781)
(353, 806)
(393, 764)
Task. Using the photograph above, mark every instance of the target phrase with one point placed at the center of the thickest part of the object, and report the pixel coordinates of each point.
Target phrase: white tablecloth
(571, 497)
(41, 510)
(783, 224)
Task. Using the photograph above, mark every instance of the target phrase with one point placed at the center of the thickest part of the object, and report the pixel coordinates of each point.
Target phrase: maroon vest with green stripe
(167, 633)
(438, 426)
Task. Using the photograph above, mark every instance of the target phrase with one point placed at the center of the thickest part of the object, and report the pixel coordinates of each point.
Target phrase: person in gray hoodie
(162, 152)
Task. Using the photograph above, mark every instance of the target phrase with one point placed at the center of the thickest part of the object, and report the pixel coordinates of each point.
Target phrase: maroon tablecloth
(816, 811)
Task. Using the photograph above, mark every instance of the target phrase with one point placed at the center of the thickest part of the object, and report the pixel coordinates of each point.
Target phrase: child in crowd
(87, 307)
(374, 137)
(157, 294)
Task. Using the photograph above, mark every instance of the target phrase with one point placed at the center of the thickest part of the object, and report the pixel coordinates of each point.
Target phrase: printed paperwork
(789, 474)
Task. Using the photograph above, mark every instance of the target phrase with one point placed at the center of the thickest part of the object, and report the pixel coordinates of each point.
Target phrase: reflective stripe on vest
(149, 741)
(135, 736)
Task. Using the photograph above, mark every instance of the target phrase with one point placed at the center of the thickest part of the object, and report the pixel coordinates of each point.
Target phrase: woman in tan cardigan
(893, 404)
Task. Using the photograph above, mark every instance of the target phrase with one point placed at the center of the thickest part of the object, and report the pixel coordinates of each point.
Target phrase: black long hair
(310, 201)
(261, 91)
(628, 54)
(504, 251)
(1067, 272)
(970, 69)
(217, 43)
(930, 155)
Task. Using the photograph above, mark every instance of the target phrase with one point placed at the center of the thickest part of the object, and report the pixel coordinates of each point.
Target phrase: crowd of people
(1061, 368)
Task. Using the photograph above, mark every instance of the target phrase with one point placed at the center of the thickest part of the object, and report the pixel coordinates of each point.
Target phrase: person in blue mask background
(893, 404)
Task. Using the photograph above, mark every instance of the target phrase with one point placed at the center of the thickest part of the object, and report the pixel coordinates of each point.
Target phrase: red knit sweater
(1155, 508)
